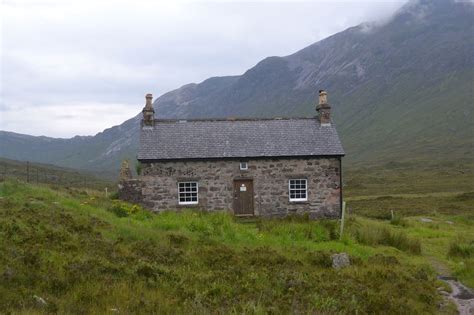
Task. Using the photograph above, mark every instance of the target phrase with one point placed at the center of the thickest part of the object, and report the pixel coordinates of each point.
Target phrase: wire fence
(38, 174)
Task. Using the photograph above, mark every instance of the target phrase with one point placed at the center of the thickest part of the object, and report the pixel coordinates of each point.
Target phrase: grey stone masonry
(157, 187)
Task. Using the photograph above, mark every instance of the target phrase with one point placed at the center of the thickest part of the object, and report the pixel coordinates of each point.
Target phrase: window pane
(187, 192)
(297, 189)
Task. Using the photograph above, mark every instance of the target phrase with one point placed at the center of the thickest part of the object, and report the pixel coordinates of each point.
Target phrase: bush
(138, 168)
(123, 209)
(119, 211)
(114, 195)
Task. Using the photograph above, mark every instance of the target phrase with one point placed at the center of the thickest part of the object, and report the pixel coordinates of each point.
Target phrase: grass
(51, 174)
(461, 248)
(409, 180)
(384, 236)
(406, 196)
(84, 253)
(80, 254)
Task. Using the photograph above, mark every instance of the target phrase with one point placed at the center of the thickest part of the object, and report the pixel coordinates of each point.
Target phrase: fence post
(106, 192)
(343, 215)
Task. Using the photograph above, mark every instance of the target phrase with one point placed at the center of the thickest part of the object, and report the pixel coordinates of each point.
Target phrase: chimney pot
(148, 111)
(323, 109)
(323, 97)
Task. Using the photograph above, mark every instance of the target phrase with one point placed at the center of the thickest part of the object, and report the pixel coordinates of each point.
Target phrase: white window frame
(243, 168)
(184, 192)
(305, 189)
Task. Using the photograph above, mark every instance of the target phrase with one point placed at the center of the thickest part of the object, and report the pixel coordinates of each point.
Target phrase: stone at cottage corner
(340, 261)
(125, 172)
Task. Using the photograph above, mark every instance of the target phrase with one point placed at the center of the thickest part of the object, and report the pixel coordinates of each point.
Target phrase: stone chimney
(323, 109)
(148, 111)
(125, 172)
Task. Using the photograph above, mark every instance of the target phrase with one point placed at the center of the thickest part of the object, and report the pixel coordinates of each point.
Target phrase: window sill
(189, 205)
(299, 202)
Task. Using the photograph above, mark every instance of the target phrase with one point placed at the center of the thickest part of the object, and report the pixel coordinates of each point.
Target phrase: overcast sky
(77, 67)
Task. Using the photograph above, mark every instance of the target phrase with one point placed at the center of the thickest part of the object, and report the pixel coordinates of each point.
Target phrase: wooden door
(243, 197)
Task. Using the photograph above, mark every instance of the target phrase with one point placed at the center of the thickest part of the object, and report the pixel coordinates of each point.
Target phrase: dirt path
(461, 295)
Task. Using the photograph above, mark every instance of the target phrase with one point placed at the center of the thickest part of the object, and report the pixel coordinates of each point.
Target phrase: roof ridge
(230, 119)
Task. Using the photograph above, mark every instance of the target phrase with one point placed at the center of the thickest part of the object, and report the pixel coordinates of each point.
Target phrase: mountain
(101, 153)
(400, 90)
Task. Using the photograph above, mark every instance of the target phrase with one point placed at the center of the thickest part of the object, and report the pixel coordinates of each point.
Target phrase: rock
(450, 222)
(340, 260)
(40, 300)
(426, 220)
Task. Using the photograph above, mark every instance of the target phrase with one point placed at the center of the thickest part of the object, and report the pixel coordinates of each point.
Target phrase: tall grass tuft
(373, 235)
(461, 248)
(399, 221)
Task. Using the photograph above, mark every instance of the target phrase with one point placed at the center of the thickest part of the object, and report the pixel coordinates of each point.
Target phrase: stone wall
(131, 190)
(157, 187)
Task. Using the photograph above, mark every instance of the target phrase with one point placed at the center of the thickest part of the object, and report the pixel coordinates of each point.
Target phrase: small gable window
(244, 166)
(298, 189)
(187, 193)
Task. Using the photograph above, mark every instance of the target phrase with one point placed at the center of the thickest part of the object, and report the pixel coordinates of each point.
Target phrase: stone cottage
(249, 167)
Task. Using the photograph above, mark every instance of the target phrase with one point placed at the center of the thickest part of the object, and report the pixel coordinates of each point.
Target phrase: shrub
(123, 209)
(119, 211)
(114, 195)
(138, 168)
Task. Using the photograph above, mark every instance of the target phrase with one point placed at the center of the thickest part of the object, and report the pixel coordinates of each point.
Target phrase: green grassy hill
(73, 251)
(52, 174)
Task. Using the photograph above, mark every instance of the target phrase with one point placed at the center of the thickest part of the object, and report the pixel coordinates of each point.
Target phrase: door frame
(234, 198)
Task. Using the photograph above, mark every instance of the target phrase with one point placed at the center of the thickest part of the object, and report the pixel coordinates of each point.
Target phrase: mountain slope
(395, 88)
(401, 90)
(101, 153)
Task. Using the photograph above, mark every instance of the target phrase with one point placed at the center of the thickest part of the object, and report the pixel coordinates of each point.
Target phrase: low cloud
(67, 120)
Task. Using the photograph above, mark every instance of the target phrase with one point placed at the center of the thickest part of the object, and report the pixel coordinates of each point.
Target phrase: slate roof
(239, 138)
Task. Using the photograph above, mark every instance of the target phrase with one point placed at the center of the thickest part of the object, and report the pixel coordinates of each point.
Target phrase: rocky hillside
(400, 90)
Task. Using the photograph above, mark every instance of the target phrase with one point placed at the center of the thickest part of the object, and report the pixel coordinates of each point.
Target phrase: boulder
(340, 260)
